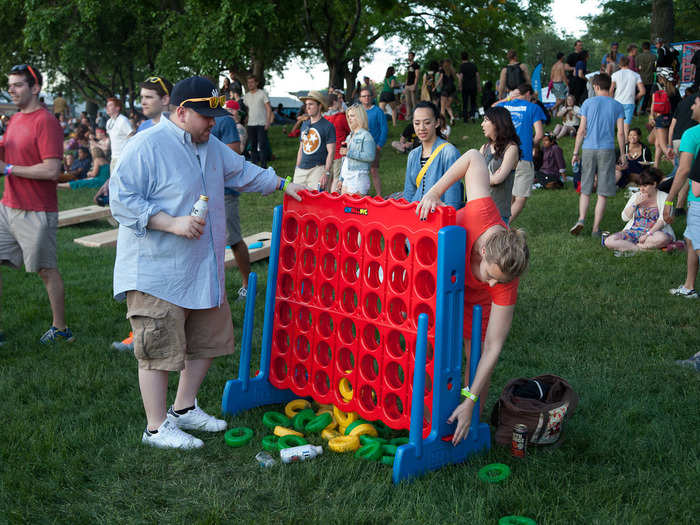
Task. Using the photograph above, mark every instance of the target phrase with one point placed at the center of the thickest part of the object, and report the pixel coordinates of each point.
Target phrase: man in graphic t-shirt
(317, 145)
(31, 152)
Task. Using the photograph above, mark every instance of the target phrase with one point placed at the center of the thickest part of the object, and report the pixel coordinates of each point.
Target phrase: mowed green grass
(73, 417)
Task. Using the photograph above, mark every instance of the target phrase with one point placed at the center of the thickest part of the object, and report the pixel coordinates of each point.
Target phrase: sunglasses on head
(154, 80)
(21, 68)
(214, 102)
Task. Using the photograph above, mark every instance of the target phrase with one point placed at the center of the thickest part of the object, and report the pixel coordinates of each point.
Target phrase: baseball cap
(199, 94)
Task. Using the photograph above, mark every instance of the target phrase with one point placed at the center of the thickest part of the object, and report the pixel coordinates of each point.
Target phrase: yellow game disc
(344, 444)
(293, 407)
(344, 419)
(284, 431)
(365, 428)
(328, 434)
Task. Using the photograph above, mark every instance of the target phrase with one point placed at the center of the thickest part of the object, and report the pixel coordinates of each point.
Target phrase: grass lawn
(71, 448)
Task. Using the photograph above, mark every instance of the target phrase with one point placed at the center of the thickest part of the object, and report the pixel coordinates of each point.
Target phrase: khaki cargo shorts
(28, 237)
(167, 335)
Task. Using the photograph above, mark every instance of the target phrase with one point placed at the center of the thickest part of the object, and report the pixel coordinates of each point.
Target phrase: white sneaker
(196, 419)
(682, 291)
(169, 436)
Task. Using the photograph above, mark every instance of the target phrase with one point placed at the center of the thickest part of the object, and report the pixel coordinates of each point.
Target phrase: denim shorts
(629, 112)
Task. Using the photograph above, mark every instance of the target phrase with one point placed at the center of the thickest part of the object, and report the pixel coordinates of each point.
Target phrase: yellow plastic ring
(345, 389)
(344, 418)
(329, 434)
(362, 429)
(293, 407)
(324, 408)
(284, 431)
(344, 444)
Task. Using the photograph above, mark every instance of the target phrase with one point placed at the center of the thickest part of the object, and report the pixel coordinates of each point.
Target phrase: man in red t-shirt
(30, 157)
(337, 117)
(495, 258)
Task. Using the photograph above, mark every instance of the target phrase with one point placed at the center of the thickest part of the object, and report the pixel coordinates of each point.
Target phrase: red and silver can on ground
(518, 445)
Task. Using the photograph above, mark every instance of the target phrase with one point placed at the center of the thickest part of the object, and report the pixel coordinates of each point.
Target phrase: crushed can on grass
(518, 445)
(300, 453)
(265, 460)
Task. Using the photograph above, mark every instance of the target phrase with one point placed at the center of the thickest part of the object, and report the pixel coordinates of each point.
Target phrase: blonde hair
(360, 115)
(508, 249)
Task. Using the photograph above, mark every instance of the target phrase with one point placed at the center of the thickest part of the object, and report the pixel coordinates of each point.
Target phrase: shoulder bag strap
(430, 160)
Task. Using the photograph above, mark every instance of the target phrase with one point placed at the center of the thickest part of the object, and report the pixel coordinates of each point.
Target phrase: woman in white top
(570, 115)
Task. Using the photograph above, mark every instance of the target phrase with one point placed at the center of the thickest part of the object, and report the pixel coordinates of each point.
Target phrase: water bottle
(302, 453)
(200, 207)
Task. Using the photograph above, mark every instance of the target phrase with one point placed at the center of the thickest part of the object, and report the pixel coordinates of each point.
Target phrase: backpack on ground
(660, 103)
(541, 403)
(514, 76)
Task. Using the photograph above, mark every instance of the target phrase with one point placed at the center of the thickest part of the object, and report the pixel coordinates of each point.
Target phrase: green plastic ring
(494, 473)
(290, 441)
(239, 436)
(354, 424)
(302, 419)
(516, 520)
(269, 443)
(399, 441)
(389, 450)
(383, 430)
(388, 460)
(273, 419)
(370, 452)
(318, 423)
(366, 439)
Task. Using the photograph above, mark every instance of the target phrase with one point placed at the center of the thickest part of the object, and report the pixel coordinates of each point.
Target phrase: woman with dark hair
(226, 89)
(387, 95)
(664, 101)
(447, 86)
(638, 158)
(645, 228)
(552, 172)
(431, 159)
(488, 97)
(502, 153)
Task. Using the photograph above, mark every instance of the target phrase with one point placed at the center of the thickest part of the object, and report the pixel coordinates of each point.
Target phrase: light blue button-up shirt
(161, 169)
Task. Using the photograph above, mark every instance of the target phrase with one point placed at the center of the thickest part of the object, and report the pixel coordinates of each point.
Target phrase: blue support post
(247, 337)
(240, 394)
(474, 358)
(422, 455)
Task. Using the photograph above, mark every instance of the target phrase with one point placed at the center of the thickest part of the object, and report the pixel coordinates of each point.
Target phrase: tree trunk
(351, 77)
(336, 73)
(662, 20)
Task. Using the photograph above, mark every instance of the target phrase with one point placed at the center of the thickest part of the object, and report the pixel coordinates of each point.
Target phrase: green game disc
(516, 520)
(494, 473)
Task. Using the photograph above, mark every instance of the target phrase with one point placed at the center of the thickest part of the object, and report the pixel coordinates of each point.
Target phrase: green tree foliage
(486, 29)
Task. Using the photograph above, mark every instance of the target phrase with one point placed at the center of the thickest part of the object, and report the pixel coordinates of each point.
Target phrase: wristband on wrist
(286, 183)
(469, 395)
(8, 169)
(668, 203)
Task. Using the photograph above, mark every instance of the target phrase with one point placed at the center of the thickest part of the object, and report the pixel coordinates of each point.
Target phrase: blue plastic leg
(420, 456)
(474, 358)
(245, 393)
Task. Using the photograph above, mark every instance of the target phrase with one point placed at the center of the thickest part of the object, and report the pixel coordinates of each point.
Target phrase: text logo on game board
(355, 211)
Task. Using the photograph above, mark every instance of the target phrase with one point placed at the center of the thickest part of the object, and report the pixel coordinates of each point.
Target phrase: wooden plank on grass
(256, 254)
(84, 214)
(99, 240)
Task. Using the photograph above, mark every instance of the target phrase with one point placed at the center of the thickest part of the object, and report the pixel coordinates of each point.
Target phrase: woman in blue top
(426, 124)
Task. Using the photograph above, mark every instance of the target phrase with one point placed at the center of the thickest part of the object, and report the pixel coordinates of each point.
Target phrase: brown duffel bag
(541, 403)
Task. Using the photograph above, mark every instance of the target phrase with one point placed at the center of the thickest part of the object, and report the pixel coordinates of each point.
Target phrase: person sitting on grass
(76, 169)
(407, 141)
(638, 158)
(96, 177)
(552, 172)
(501, 153)
(645, 228)
(429, 161)
(358, 154)
(496, 257)
(570, 115)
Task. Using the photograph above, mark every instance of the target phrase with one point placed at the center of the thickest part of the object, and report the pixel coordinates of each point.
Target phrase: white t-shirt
(257, 112)
(626, 82)
(118, 130)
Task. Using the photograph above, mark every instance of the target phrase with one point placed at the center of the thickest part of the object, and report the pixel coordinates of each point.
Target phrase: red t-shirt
(477, 217)
(30, 139)
(342, 130)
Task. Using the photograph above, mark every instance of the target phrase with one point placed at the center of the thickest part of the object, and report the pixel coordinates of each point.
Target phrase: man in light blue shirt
(599, 116)
(379, 130)
(170, 264)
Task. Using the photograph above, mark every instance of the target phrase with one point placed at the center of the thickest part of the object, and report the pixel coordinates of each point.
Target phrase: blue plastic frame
(419, 455)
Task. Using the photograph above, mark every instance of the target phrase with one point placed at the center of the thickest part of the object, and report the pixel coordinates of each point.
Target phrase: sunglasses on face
(21, 68)
(214, 102)
(158, 80)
